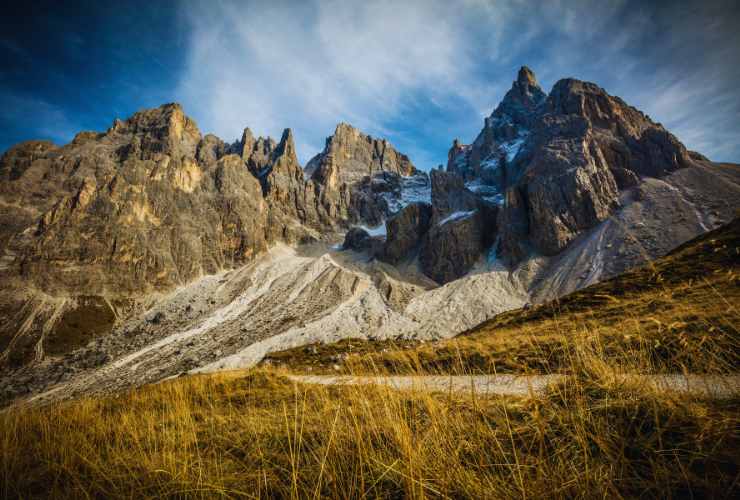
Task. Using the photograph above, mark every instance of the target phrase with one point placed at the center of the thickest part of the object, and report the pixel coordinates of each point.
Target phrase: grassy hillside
(257, 434)
(681, 313)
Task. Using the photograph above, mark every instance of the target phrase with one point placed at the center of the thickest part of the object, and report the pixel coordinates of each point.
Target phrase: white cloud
(309, 65)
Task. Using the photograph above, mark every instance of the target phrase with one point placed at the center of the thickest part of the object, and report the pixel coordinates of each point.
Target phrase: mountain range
(149, 250)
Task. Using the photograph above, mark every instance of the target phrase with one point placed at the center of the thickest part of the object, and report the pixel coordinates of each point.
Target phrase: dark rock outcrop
(449, 194)
(462, 226)
(370, 196)
(359, 240)
(406, 231)
(452, 246)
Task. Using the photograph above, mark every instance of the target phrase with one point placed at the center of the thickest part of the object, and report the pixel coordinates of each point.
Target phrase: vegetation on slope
(681, 313)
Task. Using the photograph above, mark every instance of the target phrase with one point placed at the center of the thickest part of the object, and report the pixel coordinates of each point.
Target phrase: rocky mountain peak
(165, 129)
(526, 78)
(575, 97)
(283, 159)
(503, 132)
(589, 143)
(345, 130)
(349, 156)
(524, 97)
(169, 119)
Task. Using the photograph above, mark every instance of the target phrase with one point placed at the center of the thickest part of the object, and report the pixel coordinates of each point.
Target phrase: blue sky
(417, 72)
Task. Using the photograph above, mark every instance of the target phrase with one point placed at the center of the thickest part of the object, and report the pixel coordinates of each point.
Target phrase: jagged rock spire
(247, 144)
(286, 146)
(524, 96)
(526, 77)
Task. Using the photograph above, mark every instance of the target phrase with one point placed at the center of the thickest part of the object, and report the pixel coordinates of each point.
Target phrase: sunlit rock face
(366, 173)
(132, 209)
(350, 155)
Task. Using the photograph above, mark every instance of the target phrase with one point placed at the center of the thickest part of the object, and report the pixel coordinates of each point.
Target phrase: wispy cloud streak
(419, 72)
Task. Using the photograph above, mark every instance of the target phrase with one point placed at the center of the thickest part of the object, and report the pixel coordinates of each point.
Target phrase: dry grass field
(259, 435)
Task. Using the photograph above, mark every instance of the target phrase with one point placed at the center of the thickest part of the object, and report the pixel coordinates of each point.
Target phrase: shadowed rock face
(452, 246)
(449, 194)
(406, 231)
(561, 160)
(461, 228)
(514, 114)
(450, 234)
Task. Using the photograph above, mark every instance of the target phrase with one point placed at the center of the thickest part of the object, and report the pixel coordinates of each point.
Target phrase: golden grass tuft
(259, 435)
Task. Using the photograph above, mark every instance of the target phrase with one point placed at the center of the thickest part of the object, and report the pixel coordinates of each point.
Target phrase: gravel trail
(715, 386)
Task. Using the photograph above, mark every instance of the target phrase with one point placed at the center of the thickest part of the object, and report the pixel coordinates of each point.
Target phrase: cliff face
(557, 163)
(132, 209)
(151, 204)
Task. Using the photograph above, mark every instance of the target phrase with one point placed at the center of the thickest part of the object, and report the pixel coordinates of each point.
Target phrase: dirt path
(716, 386)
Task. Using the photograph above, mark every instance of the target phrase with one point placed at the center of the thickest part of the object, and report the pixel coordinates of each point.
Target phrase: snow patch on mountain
(414, 189)
(375, 231)
(511, 148)
(456, 216)
(488, 192)
(491, 163)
